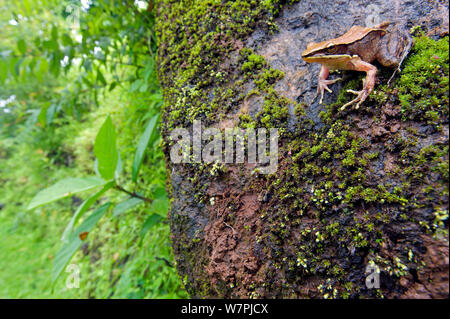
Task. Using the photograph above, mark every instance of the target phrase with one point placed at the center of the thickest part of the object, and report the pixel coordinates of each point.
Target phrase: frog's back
(356, 33)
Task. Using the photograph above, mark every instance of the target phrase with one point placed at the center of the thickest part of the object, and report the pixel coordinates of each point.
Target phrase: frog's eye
(332, 49)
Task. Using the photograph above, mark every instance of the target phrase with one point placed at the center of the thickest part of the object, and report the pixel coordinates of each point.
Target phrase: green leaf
(51, 113)
(143, 88)
(66, 253)
(43, 66)
(87, 64)
(119, 167)
(33, 118)
(51, 45)
(65, 188)
(101, 78)
(86, 81)
(32, 64)
(66, 40)
(27, 7)
(37, 42)
(96, 167)
(22, 46)
(105, 150)
(150, 222)
(42, 117)
(126, 205)
(17, 67)
(55, 65)
(112, 86)
(142, 146)
(160, 205)
(149, 69)
(82, 209)
(3, 71)
(136, 85)
(54, 33)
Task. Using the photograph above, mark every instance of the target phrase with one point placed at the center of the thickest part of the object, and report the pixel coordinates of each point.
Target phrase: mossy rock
(353, 189)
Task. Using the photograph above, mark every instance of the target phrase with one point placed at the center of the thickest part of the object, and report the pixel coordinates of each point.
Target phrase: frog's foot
(368, 83)
(361, 97)
(323, 85)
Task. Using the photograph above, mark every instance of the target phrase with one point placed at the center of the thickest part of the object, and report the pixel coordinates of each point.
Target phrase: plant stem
(133, 194)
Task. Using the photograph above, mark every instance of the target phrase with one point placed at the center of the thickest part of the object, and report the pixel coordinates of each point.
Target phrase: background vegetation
(66, 67)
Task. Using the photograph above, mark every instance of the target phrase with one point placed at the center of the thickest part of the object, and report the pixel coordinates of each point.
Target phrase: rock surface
(352, 188)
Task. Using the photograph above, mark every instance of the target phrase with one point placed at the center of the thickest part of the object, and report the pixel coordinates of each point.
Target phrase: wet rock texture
(311, 21)
(352, 189)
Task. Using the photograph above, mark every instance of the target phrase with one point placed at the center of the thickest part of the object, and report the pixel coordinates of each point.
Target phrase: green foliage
(82, 209)
(64, 188)
(103, 43)
(105, 150)
(126, 205)
(64, 86)
(142, 146)
(64, 255)
(149, 223)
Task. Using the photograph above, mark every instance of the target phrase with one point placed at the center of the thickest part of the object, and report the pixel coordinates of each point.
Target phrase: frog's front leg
(357, 64)
(322, 83)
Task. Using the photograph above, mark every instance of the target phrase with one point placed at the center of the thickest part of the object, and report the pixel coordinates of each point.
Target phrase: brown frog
(356, 50)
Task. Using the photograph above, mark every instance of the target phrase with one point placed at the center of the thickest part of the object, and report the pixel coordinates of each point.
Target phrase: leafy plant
(58, 76)
(107, 156)
(106, 44)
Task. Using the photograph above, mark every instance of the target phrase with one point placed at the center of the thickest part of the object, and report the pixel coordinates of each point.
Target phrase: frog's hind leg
(322, 83)
(368, 82)
(403, 57)
(393, 53)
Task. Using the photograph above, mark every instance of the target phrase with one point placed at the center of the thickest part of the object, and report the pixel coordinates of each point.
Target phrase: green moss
(191, 59)
(267, 78)
(423, 85)
(254, 62)
(275, 107)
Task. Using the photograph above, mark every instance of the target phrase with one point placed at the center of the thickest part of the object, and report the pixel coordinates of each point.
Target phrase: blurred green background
(64, 66)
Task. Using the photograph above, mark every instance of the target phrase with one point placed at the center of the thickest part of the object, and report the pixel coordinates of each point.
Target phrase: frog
(356, 50)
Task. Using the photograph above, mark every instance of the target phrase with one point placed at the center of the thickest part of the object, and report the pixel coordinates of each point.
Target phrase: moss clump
(257, 72)
(254, 62)
(423, 88)
(195, 38)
